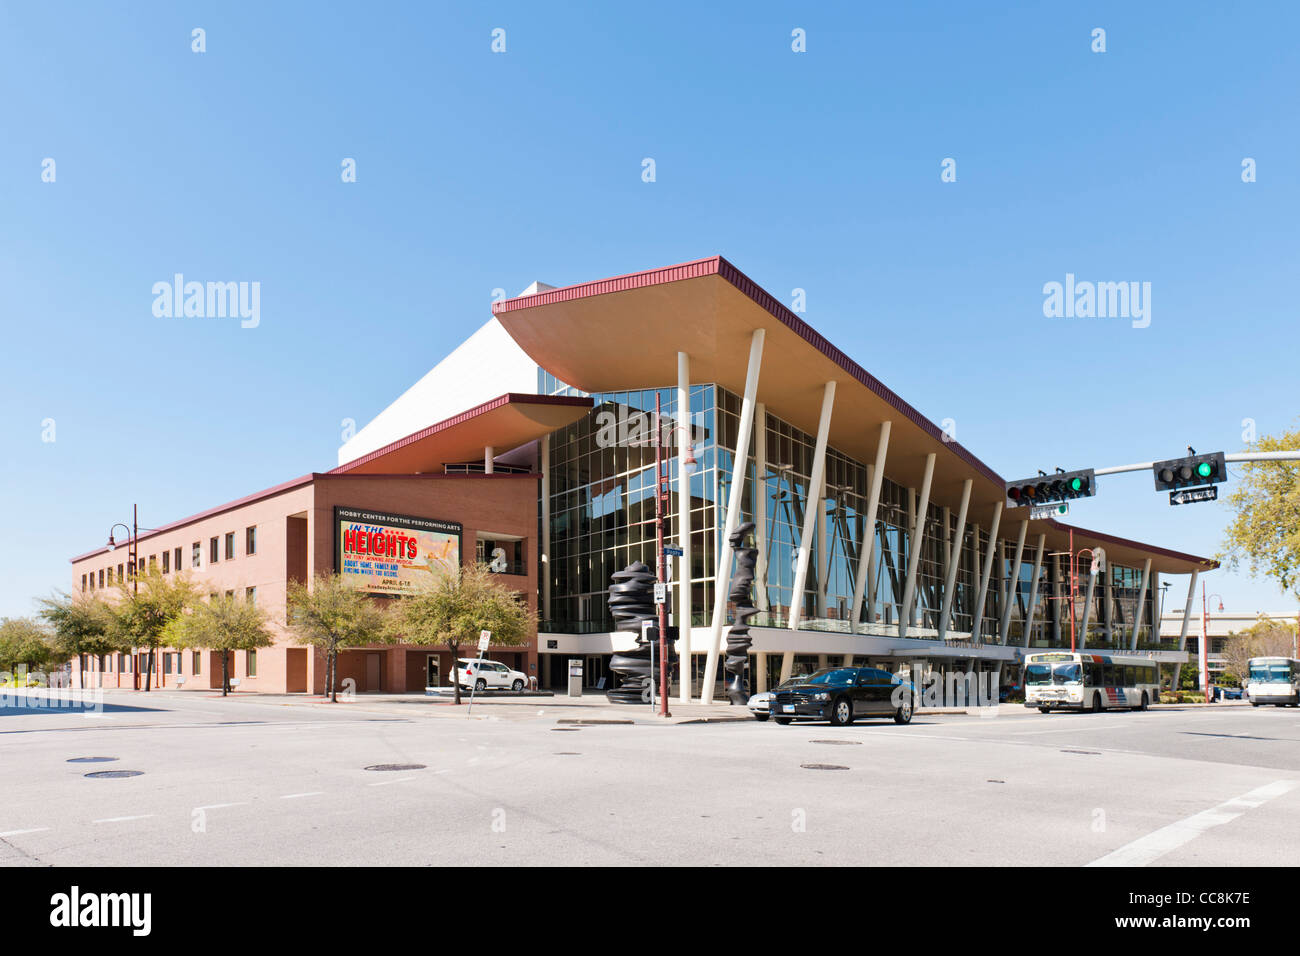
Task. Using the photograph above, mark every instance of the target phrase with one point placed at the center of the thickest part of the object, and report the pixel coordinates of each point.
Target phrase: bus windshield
(1279, 671)
(1042, 674)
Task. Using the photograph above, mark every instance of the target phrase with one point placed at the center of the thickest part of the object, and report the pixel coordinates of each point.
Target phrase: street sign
(484, 638)
(1191, 496)
(1050, 511)
(674, 552)
(661, 592)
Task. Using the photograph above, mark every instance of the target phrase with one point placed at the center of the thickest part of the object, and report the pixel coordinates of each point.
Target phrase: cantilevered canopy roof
(504, 423)
(625, 332)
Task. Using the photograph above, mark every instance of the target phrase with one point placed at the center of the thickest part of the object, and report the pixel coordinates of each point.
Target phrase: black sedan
(842, 694)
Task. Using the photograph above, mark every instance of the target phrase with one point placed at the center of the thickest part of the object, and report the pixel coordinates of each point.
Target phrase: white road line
(294, 796)
(219, 806)
(9, 833)
(1154, 845)
(384, 783)
(139, 816)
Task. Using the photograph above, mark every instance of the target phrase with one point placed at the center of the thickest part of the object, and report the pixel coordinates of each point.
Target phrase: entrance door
(593, 670)
(432, 671)
(372, 672)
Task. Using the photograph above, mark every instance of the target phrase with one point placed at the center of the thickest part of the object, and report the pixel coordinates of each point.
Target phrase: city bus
(1093, 682)
(1274, 680)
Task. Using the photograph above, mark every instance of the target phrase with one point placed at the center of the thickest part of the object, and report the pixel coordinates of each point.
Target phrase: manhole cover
(90, 759)
(114, 774)
(822, 766)
(397, 766)
(1090, 753)
(838, 743)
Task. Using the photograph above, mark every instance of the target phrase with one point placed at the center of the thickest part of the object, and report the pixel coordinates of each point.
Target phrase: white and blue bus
(1092, 682)
(1274, 680)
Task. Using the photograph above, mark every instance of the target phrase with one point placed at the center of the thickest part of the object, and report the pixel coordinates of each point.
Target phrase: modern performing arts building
(828, 454)
(878, 540)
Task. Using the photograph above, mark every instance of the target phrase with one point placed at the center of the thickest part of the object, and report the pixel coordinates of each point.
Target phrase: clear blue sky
(477, 170)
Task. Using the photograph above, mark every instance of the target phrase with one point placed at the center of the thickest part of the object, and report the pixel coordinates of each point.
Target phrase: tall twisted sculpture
(631, 601)
(738, 641)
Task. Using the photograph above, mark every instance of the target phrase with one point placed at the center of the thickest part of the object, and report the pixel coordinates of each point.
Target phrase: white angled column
(1013, 583)
(761, 504)
(914, 547)
(684, 610)
(489, 454)
(954, 559)
(815, 505)
(1087, 610)
(1137, 608)
(722, 578)
(867, 546)
(1033, 590)
(989, 557)
(1187, 617)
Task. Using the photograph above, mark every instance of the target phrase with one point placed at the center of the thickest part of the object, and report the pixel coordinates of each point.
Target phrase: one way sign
(1193, 495)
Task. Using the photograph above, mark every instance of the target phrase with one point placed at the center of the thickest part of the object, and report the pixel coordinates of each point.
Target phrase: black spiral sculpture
(631, 601)
(738, 641)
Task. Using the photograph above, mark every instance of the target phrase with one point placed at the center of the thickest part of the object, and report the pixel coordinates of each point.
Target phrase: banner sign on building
(390, 554)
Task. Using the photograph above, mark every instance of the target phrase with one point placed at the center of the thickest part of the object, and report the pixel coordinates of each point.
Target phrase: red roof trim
(510, 398)
(1208, 564)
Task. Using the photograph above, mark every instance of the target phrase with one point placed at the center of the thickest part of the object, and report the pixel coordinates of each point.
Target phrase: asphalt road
(253, 781)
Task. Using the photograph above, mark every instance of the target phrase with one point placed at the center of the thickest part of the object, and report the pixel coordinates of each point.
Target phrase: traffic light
(1047, 489)
(1190, 472)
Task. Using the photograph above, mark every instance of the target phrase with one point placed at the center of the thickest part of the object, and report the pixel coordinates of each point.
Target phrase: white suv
(484, 674)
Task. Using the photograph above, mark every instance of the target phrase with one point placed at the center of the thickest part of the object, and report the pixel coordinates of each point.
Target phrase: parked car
(758, 704)
(843, 694)
(481, 675)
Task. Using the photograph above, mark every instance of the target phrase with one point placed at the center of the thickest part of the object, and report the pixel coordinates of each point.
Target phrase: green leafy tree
(25, 643)
(140, 618)
(451, 609)
(332, 615)
(221, 623)
(1265, 529)
(1266, 638)
(82, 624)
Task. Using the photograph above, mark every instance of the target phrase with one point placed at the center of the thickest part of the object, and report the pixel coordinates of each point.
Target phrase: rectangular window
(167, 663)
(153, 562)
(250, 663)
(198, 663)
(230, 545)
(250, 595)
(230, 595)
(167, 562)
(250, 540)
(121, 572)
(83, 582)
(196, 556)
(176, 559)
(101, 577)
(110, 577)
(213, 553)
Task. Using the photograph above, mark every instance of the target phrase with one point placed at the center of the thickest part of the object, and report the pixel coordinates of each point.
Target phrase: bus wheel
(1044, 710)
(1254, 703)
(783, 720)
(1096, 703)
(1146, 702)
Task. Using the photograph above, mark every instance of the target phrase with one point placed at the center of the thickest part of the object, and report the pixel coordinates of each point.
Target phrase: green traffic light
(1076, 484)
(1204, 469)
